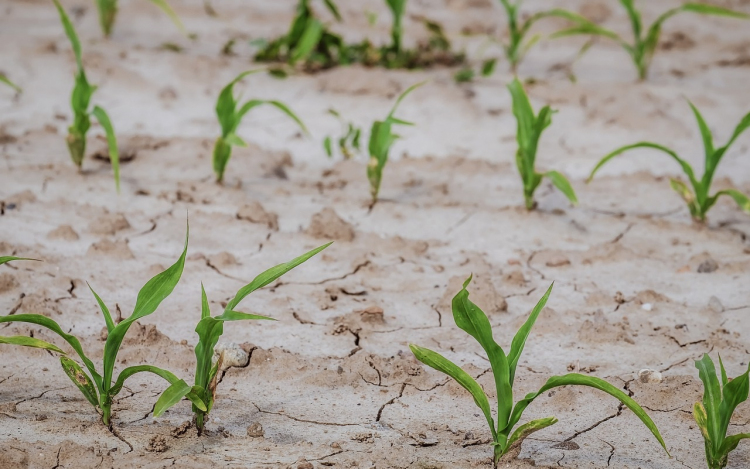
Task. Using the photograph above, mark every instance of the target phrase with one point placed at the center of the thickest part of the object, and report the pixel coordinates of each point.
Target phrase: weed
(381, 140)
(530, 128)
(80, 100)
(473, 321)
(230, 114)
(715, 412)
(100, 390)
(209, 331)
(108, 12)
(698, 199)
(643, 47)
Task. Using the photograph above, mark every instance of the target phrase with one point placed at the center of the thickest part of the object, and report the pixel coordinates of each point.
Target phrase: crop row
(712, 414)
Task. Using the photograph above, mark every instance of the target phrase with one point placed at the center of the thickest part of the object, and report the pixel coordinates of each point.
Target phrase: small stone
(157, 444)
(109, 224)
(557, 260)
(63, 232)
(647, 306)
(255, 213)
(305, 465)
(619, 298)
(649, 376)
(715, 305)
(373, 314)
(469, 436)
(255, 430)
(707, 266)
(233, 355)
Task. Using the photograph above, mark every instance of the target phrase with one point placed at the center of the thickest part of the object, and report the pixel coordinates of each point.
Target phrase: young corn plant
(108, 12)
(697, 197)
(348, 143)
(5, 80)
(530, 128)
(80, 101)
(100, 389)
(715, 412)
(470, 318)
(230, 114)
(6, 259)
(398, 9)
(645, 41)
(381, 140)
(209, 331)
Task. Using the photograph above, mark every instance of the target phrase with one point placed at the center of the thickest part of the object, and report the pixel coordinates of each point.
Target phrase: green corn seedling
(80, 100)
(6, 259)
(698, 199)
(209, 331)
(643, 47)
(470, 318)
(101, 389)
(530, 128)
(108, 12)
(398, 8)
(715, 412)
(230, 114)
(6, 80)
(381, 140)
(518, 30)
(348, 143)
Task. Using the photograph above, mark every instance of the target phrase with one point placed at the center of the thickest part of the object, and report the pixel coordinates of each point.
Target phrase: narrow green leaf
(735, 392)
(574, 379)
(724, 379)
(685, 192)
(27, 341)
(635, 17)
(236, 140)
(71, 33)
(114, 154)
(171, 396)
(6, 259)
(519, 340)
(699, 414)
(80, 379)
(404, 95)
(205, 308)
(562, 183)
(283, 108)
(442, 364)
(172, 15)
(528, 428)
(706, 9)
(6, 80)
(488, 67)
(240, 316)
(328, 146)
(131, 370)
(731, 442)
(741, 127)
(333, 9)
(708, 139)
(105, 310)
(308, 42)
(743, 202)
(711, 396)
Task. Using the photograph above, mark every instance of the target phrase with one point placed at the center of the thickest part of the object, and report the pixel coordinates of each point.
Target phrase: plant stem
(200, 422)
(106, 413)
(498, 453)
(77, 147)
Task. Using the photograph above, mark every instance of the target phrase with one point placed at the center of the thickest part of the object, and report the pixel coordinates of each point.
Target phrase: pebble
(649, 376)
(647, 306)
(233, 355)
(707, 266)
(255, 430)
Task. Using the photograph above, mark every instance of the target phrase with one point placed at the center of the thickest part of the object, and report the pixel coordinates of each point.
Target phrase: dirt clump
(327, 224)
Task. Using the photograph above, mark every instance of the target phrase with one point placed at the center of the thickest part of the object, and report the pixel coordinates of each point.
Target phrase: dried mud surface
(332, 383)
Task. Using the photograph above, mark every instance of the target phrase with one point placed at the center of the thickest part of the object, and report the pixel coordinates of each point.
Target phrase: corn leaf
(105, 310)
(27, 341)
(114, 154)
(731, 442)
(6, 80)
(71, 33)
(735, 392)
(528, 428)
(80, 379)
(308, 42)
(6, 259)
(402, 96)
(172, 15)
(711, 396)
(174, 394)
(741, 199)
(442, 364)
(562, 183)
(574, 379)
(708, 139)
(333, 9)
(706, 9)
(699, 414)
(519, 340)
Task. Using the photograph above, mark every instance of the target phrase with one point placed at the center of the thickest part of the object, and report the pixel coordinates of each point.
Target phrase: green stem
(200, 422)
(530, 203)
(77, 147)
(106, 407)
(498, 453)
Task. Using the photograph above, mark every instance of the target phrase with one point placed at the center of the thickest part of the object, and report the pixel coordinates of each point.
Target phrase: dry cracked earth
(332, 382)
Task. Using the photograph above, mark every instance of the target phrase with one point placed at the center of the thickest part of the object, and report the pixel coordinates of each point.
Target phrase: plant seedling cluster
(348, 143)
(645, 41)
(530, 128)
(108, 13)
(471, 319)
(80, 101)
(714, 413)
(698, 196)
(311, 43)
(230, 114)
(209, 331)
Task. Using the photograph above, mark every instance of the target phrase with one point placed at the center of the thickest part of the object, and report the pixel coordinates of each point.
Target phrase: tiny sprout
(108, 12)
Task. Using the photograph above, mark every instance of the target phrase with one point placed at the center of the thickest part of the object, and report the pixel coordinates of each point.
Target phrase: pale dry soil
(332, 383)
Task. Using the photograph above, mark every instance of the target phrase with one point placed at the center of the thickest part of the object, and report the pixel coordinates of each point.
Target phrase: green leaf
(333, 9)
(209, 330)
(6, 80)
(27, 341)
(711, 396)
(708, 139)
(519, 340)
(488, 67)
(563, 185)
(404, 95)
(528, 428)
(685, 192)
(174, 394)
(442, 364)
(172, 15)
(114, 154)
(283, 108)
(308, 42)
(240, 316)
(706, 9)
(149, 298)
(105, 310)
(71, 33)
(735, 392)
(741, 199)
(50, 324)
(686, 168)
(574, 379)
(80, 379)
(724, 379)
(6, 259)
(234, 139)
(635, 17)
(131, 370)
(471, 319)
(699, 414)
(731, 442)
(327, 145)
(205, 308)
(269, 276)
(741, 127)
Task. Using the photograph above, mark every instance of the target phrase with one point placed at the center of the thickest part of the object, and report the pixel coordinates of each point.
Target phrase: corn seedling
(108, 12)
(230, 114)
(470, 318)
(698, 199)
(530, 128)
(518, 30)
(80, 100)
(645, 41)
(6, 80)
(381, 140)
(209, 331)
(101, 389)
(715, 412)
(348, 143)
(6, 259)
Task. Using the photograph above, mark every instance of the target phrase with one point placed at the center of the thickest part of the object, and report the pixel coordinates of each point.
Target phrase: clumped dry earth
(332, 383)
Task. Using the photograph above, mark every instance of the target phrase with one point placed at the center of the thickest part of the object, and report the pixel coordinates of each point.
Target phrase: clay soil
(332, 383)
